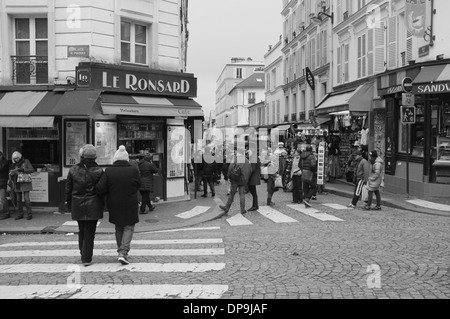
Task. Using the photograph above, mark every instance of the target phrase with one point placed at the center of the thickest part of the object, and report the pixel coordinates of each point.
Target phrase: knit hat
(373, 154)
(121, 154)
(88, 151)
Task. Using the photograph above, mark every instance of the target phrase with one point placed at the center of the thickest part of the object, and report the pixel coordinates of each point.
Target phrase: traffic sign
(408, 114)
(407, 85)
(408, 99)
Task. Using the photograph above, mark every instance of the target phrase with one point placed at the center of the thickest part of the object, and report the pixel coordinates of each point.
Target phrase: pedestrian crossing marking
(336, 206)
(312, 212)
(275, 215)
(112, 267)
(197, 210)
(238, 220)
(75, 223)
(113, 252)
(113, 291)
(113, 242)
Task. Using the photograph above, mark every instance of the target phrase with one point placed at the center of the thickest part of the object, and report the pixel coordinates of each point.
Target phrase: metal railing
(31, 69)
(293, 117)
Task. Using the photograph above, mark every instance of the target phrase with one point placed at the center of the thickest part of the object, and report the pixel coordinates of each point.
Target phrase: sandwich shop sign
(113, 78)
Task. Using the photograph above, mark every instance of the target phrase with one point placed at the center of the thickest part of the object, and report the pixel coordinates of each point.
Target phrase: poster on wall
(105, 141)
(76, 138)
(176, 137)
(39, 194)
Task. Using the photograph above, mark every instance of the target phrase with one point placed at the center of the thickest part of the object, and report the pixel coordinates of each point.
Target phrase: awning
(266, 126)
(77, 103)
(432, 79)
(284, 127)
(116, 104)
(17, 109)
(359, 100)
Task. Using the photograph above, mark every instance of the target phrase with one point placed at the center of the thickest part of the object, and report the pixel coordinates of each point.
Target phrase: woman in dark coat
(82, 200)
(146, 170)
(21, 165)
(209, 169)
(254, 180)
(121, 183)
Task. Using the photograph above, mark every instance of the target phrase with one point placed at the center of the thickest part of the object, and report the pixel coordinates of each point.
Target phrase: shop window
(133, 38)
(417, 137)
(443, 138)
(140, 137)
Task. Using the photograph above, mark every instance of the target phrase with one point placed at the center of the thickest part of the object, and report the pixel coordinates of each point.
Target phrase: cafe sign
(432, 88)
(112, 78)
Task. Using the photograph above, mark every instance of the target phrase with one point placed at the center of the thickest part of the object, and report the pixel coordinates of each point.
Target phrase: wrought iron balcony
(286, 118)
(293, 117)
(302, 116)
(30, 69)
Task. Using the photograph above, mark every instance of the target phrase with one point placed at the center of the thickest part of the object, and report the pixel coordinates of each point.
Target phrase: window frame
(133, 44)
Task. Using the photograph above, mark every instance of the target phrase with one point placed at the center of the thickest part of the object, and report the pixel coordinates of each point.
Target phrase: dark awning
(432, 80)
(78, 103)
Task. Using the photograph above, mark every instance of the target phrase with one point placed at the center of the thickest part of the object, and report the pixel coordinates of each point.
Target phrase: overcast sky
(222, 29)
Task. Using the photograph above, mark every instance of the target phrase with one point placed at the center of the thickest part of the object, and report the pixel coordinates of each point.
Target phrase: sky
(222, 29)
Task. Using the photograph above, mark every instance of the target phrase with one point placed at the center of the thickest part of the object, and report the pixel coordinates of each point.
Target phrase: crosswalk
(174, 256)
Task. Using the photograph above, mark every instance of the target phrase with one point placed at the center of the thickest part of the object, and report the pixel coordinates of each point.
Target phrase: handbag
(278, 181)
(307, 175)
(23, 178)
(364, 194)
(290, 186)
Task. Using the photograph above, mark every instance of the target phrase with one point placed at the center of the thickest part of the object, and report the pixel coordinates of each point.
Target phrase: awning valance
(432, 80)
(26, 121)
(20, 103)
(78, 103)
(359, 100)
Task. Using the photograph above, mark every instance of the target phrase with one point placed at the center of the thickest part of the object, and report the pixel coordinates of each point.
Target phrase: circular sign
(407, 85)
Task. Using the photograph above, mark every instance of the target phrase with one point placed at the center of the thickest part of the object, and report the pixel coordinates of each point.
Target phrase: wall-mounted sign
(113, 78)
(39, 194)
(76, 137)
(434, 88)
(416, 17)
(310, 79)
(105, 134)
(78, 51)
(407, 85)
(408, 114)
(424, 51)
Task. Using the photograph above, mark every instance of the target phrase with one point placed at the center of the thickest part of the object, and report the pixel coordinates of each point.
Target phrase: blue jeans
(4, 207)
(124, 235)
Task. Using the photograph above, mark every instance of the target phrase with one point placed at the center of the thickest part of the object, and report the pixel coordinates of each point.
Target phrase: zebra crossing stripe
(312, 212)
(110, 267)
(112, 291)
(113, 252)
(113, 242)
(75, 223)
(275, 215)
(179, 230)
(238, 220)
(336, 206)
(197, 210)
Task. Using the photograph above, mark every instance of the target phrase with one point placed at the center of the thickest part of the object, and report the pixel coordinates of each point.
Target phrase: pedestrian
(146, 171)
(308, 165)
(120, 183)
(209, 169)
(225, 166)
(361, 176)
(82, 200)
(254, 180)
(21, 169)
(271, 164)
(375, 180)
(296, 176)
(197, 163)
(238, 173)
(4, 177)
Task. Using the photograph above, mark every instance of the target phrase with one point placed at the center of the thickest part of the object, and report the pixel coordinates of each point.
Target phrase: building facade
(108, 73)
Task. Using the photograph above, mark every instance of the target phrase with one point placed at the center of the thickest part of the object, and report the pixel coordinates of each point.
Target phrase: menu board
(39, 194)
(105, 141)
(176, 141)
(76, 138)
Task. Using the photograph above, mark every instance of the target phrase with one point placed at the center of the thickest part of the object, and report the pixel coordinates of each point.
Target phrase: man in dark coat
(146, 170)
(308, 165)
(121, 183)
(83, 201)
(209, 169)
(4, 176)
(254, 180)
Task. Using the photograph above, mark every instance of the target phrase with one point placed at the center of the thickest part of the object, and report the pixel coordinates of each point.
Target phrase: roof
(257, 79)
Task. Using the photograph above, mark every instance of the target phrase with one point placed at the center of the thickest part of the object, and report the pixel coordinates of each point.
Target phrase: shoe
(204, 195)
(270, 204)
(224, 209)
(6, 216)
(18, 217)
(87, 264)
(213, 194)
(252, 209)
(152, 208)
(367, 207)
(228, 194)
(123, 260)
(244, 212)
(377, 208)
(307, 204)
(143, 212)
(314, 198)
(351, 206)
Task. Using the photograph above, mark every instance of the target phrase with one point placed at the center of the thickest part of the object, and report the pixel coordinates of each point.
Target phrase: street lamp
(319, 17)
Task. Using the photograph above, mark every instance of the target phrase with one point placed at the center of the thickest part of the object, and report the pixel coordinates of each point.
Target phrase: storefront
(148, 111)
(429, 137)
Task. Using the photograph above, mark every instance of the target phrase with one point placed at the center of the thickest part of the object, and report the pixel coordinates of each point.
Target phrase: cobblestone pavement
(390, 254)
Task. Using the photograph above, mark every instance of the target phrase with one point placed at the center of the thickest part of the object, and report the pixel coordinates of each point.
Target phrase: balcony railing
(293, 117)
(302, 116)
(286, 118)
(30, 69)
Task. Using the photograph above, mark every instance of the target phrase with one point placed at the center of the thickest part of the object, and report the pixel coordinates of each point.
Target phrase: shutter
(318, 52)
(308, 55)
(313, 54)
(339, 11)
(339, 66)
(359, 57)
(380, 43)
(370, 45)
(392, 42)
(325, 47)
(346, 62)
(409, 46)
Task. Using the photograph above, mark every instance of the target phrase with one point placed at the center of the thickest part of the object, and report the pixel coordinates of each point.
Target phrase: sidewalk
(49, 221)
(432, 206)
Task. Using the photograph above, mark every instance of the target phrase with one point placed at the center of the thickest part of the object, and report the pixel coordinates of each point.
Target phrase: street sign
(407, 85)
(408, 99)
(408, 114)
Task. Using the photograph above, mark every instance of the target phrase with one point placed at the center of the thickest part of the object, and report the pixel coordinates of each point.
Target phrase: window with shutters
(278, 111)
(324, 47)
(380, 48)
(345, 53)
(239, 73)
(370, 52)
(362, 56)
(339, 65)
(318, 50)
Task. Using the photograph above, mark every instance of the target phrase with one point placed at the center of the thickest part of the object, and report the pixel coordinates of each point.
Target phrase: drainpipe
(431, 27)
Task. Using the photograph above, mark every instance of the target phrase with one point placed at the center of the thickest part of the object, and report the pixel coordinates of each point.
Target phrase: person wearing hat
(120, 184)
(360, 178)
(82, 200)
(375, 180)
(21, 165)
(146, 170)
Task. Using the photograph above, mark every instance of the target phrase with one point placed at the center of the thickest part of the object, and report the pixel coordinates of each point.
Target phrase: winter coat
(25, 166)
(362, 170)
(376, 175)
(147, 169)
(82, 200)
(272, 162)
(120, 183)
(209, 168)
(4, 172)
(246, 170)
(307, 162)
(255, 177)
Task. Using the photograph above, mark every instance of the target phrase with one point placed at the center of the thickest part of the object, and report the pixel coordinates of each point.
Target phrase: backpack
(235, 173)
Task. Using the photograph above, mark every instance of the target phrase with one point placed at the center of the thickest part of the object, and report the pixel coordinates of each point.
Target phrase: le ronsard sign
(113, 78)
